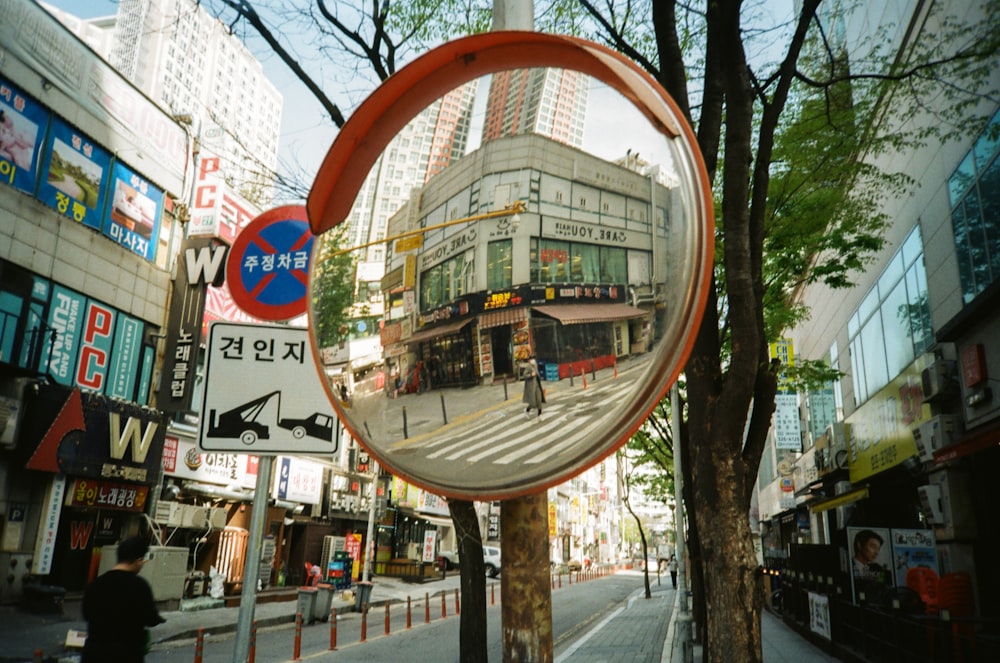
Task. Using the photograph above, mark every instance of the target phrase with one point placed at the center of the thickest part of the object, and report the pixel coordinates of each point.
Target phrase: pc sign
(263, 394)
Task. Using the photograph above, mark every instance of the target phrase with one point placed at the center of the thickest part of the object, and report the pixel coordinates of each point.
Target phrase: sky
(307, 132)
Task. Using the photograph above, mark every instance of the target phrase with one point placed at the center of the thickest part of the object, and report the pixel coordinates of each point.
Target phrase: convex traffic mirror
(514, 251)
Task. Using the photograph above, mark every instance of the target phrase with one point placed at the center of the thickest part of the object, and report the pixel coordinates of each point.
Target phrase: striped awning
(506, 316)
(576, 314)
(438, 332)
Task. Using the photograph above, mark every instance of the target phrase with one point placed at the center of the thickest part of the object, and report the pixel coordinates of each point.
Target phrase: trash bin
(362, 595)
(323, 603)
(307, 603)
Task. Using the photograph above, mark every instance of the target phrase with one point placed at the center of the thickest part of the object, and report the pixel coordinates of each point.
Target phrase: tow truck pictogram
(241, 423)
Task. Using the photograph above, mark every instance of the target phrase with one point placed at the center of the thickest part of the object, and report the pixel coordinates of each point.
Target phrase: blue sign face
(133, 218)
(268, 267)
(22, 129)
(76, 175)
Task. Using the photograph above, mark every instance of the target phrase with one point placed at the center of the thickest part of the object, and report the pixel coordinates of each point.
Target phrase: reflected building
(573, 280)
(545, 101)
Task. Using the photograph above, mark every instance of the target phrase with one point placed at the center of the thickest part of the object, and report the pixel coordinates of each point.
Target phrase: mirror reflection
(513, 287)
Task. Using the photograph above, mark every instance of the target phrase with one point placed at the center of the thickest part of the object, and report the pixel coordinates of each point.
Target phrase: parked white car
(491, 558)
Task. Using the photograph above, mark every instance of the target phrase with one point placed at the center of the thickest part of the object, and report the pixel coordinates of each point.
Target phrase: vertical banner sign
(787, 426)
(66, 311)
(125, 360)
(95, 346)
(430, 539)
(201, 263)
(23, 123)
(76, 175)
(45, 544)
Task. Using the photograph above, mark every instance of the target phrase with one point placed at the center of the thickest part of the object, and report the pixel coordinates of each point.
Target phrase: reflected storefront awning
(437, 332)
(576, 314)
(840, 500)
(507, 316)
(437, 521)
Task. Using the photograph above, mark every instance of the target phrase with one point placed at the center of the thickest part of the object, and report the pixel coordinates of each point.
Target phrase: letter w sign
(131, 434)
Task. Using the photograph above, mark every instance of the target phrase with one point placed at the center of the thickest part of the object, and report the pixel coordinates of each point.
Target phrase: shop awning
(576, 314)
(437, 332)
(505, 316)
(840, 500)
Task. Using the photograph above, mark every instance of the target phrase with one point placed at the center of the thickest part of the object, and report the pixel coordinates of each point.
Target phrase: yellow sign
(552, 519)
(409, 243)
(882, 429)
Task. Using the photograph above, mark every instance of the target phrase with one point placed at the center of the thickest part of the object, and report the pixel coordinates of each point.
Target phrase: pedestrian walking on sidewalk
(672, 565)
(119, 609)
(533, 395)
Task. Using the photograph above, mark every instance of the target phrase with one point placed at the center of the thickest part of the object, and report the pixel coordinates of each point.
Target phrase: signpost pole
(369, 541)
(248, 597)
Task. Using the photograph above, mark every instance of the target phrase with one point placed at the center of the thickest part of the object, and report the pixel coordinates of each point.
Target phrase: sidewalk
(780, 643)
(22, 633)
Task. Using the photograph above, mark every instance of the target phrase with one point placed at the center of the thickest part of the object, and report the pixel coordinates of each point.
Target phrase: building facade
(903, 449)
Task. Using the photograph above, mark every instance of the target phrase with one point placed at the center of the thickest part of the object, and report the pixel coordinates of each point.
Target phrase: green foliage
(331, 288)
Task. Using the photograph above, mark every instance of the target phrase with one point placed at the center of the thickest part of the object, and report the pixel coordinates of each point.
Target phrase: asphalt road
(576, 610)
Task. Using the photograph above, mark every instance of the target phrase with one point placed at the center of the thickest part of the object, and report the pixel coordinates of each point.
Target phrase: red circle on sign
(280, 230)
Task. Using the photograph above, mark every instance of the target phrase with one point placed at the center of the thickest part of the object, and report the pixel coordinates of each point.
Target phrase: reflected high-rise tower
(547, 102)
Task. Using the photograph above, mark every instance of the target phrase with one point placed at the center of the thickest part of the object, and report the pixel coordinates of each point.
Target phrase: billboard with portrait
(76, 173)
(23, 123)
(871, 562)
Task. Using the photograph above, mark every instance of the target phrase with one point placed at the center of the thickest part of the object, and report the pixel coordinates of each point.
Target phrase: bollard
(593, 370)
(252, 653)
(560, 580)
(444, 606)
(364, 622)
(297, 650)
(505, 397)
(406, 434)
(199, 645)
(409, 622)
(493, 597)
(553, 579)
(387, 618)
(616, 367)
(444, 412)
(333, 629)
(583, 374)
(458, 608)
(427, 608)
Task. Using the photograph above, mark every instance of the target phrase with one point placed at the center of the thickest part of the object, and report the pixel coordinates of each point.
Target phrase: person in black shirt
(118, 607)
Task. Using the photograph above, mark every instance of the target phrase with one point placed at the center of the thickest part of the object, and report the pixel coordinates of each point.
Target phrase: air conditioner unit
(930, 500)
(935, 433)
(938, 380)
(957, 518)
(196, 517)
(170, 514)
(217, 518)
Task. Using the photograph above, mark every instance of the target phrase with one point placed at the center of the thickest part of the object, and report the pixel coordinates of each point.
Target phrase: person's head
(132, 552)
(867, 545)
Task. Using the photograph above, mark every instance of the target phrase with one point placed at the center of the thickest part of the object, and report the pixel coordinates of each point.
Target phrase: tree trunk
(472, 619)
(525, 589)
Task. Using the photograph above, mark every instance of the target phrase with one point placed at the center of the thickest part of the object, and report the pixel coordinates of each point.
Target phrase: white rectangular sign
(263, 394)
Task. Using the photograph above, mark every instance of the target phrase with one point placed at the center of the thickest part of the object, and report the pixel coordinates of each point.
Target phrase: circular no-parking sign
(268, 266)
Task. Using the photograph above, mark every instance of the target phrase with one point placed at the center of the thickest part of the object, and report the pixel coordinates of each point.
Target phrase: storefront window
(571, 262)
(446, 282)
(499, 264)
